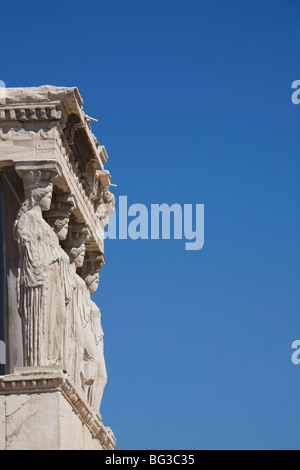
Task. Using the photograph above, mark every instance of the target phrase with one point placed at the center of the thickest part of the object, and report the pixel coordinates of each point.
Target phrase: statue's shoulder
(26, 223)
(32, 225)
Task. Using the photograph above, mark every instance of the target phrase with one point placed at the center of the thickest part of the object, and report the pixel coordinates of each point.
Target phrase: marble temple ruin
(55, 205)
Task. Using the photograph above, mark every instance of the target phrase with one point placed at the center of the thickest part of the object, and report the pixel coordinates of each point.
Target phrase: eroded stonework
(41, 409)
(49, 155)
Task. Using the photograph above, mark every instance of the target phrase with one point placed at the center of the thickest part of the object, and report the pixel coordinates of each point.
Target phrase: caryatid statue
(93, 365)
(39, 254)
(79, 307)
(63, 283)
(106, 200)
(46, 139)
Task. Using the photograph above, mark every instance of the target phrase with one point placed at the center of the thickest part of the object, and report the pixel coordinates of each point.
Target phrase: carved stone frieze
(49, 122)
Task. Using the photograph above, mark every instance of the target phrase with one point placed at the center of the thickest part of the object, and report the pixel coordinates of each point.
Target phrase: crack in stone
(22, 404)
(15, 434)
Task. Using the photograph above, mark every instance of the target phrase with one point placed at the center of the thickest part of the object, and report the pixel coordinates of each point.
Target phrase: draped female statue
(63, 283)
(93, 369)
(61, 324)
(78, 308)
(39, 251)
(86, 345)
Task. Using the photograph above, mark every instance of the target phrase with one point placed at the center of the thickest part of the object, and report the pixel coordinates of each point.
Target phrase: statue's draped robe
(101, 375)
(88, 358)
(61, 324)
(78, 308)
(61, 286)
(43, 287)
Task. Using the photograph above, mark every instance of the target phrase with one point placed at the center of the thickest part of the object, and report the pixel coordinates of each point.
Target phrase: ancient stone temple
(55, 204)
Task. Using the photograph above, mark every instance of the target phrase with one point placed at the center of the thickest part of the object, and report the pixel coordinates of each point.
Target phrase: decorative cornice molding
(52, 103)
(30, 112)
(49, 122)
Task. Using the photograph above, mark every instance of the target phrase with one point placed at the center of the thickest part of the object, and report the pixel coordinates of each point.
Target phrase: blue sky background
(194, 103)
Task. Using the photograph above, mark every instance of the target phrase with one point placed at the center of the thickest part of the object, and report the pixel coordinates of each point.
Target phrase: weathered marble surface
(55, 161)
(41, 409)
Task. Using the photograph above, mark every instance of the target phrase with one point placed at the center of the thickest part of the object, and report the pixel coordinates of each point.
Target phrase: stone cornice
(30, 112)
(47, 123)
(52, 103)
(43, 380)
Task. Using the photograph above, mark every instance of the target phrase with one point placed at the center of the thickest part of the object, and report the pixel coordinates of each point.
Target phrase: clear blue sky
(194, 103)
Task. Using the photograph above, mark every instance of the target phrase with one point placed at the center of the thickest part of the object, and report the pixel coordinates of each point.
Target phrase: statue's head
(43, 197)
(38, 188)
(78, 255)
(61, 227)
(59, 214)
(74, 244)
(92, 282)
(93, 262)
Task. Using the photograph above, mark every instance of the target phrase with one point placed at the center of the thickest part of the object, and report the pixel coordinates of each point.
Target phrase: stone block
(44, 410)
